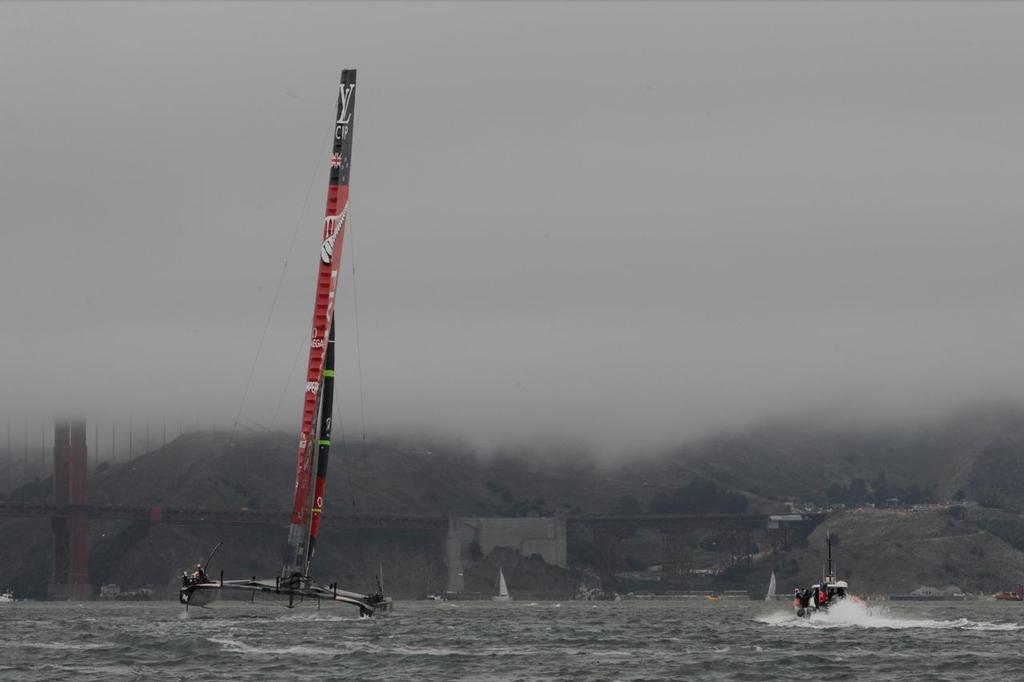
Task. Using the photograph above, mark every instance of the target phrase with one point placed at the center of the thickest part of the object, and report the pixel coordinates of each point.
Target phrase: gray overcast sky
(602, 223)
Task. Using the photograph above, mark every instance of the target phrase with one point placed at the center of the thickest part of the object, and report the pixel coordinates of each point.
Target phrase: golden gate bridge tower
(70, 532)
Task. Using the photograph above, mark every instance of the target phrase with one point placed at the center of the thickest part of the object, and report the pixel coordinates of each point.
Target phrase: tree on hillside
(699, 496)
(880, 492)
(627, 505)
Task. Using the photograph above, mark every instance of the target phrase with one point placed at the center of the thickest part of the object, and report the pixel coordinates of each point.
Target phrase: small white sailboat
(771, 589)
(7, 596)
(502, 588)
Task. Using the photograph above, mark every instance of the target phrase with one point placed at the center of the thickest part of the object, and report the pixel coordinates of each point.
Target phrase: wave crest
(849, 614)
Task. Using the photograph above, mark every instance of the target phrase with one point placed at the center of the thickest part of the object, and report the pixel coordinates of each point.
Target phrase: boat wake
(849, 614)
(238, 647)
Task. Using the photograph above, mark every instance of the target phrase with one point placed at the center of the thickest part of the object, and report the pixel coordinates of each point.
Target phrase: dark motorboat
(825, 593)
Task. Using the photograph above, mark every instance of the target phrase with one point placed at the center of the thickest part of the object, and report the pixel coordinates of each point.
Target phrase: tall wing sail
(335, 219)
(323, 444)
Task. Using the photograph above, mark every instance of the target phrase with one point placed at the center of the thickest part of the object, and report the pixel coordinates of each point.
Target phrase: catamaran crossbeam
(203, 594)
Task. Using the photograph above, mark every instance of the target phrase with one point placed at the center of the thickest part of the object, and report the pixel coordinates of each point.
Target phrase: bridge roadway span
(216, 517)
(255, 517)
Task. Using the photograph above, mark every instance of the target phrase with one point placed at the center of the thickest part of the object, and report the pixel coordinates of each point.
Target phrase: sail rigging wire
(303, 343)
(359, 357)
(277, 289)
(250, 424)
(344, 455)
(336, 411)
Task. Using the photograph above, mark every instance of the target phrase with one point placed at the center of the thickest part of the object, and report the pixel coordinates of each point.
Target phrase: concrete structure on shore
(545, 536)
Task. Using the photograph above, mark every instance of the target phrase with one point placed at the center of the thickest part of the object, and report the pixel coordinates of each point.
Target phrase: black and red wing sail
(335, 220)
(323, 444)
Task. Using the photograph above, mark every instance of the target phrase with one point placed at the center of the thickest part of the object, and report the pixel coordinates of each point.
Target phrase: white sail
(502, 587)
(771, 588)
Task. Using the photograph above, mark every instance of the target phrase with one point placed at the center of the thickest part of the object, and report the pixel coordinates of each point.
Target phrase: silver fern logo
(332, 228)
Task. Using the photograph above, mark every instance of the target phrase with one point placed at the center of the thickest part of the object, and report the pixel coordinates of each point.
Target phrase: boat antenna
(828, 541)
(210, 558)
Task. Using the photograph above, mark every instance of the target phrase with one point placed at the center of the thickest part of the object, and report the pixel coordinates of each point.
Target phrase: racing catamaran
(294, 585)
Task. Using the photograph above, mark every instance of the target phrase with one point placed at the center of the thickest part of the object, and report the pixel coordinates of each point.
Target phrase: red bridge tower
(71, 532)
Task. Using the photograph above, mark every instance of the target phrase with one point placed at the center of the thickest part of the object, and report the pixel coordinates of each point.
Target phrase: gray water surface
(628, 640)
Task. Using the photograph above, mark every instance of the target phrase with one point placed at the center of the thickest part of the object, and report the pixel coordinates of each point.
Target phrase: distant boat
(1016, 595)
(714, 597)
(7, 596)
(825, 593)
(437, 596)
(771, 589)
(502, 588)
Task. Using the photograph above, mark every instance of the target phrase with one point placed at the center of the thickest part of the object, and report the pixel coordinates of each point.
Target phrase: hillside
(212, 470)
(896, 551)
(974, 456)
(978, 453)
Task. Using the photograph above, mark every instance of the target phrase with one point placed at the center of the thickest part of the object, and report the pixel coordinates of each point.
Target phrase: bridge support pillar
(561, 541)
(453, 545)
(71, 532)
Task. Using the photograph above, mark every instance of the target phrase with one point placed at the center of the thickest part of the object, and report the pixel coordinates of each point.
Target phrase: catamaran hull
(263, 591)
(198, 595)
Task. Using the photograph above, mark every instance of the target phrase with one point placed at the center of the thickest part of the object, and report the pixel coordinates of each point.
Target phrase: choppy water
(631, 640)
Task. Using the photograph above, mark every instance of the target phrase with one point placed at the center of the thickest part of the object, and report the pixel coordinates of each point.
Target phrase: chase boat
(823, 594)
